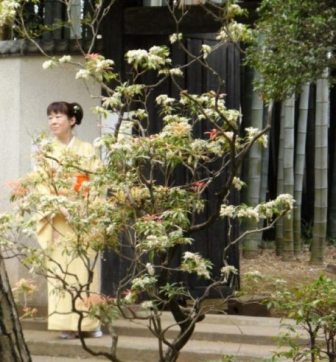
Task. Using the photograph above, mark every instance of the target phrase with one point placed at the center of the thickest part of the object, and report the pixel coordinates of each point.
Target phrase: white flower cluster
(49, 64)
(54, 200)
(234, 10)
(247, 213)
(227, 211)
(208, 113)
(122, 145)
(263, 140)
(174, 118)
(155, 242)
(229, 135)
(281, 203)
(136, 55)
(139, 114)
(114, 101)
(285, 199)
(251, 132)
(178, 129)
(150, 269)
(102, 64)
(227, 270)
(26, 286)
(101, 111)
(216, 148)
(195, 263)
(199, 146)
(206, 50)
(8, 11)
(5, 223)
(255, 132)
(95, 66)
(173, 38)
(130, 297)
(266, 210)
(155, 58)
(65, 59)
(234, 32)
(148, 304)
(202, 99)
(83, 74)
(144, 282)
(164, 100)
(111, 229)
(237, 183)
(232, 115)
(176, 71)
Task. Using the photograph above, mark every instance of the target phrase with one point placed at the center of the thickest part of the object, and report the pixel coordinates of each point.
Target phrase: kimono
(53, 232)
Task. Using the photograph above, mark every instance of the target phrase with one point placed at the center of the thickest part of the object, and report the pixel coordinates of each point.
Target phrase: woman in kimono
(55, 234)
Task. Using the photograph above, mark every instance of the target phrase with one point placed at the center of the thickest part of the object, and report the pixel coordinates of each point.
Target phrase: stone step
(209, 318)
(140, 349)
(233, 329)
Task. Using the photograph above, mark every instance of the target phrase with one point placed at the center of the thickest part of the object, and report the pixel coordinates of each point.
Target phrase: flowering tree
(133, 195)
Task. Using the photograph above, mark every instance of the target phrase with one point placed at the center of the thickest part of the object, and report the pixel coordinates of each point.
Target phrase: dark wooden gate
(137, 27)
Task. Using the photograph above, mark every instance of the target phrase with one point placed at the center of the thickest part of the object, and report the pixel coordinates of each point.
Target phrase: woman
(67, 267)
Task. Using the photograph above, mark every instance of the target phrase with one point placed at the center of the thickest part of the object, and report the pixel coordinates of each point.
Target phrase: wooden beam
(158, 21)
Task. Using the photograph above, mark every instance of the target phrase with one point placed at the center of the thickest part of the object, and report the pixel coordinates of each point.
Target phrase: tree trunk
(321, 170)
(187, 327)
(288, 169)
(12, 344)
(300, 153)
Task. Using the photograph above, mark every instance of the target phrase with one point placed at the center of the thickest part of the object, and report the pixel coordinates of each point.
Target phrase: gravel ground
(268, 267)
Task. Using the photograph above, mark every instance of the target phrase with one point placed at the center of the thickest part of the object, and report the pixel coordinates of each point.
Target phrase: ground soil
(258, 276)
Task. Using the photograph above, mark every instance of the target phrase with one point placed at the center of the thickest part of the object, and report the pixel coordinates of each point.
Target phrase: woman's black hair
(69, 109)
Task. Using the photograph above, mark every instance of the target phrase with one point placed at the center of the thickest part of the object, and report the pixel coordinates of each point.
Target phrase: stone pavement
(246, 338)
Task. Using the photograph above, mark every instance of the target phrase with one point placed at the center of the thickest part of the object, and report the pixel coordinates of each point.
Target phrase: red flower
(198, 186)
(79, 179)
(213, 133)
(97, 299)
(17, 188)
(92, 56)
(151, 217)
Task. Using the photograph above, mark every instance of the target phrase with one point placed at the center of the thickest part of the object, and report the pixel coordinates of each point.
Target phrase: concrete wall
(26, 91)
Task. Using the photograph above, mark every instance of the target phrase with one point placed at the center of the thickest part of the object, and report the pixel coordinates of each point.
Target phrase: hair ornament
(75, 108)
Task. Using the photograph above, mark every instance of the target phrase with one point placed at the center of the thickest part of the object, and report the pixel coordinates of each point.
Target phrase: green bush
(313, 308)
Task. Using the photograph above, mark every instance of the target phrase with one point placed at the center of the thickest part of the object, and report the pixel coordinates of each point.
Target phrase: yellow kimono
(51, 232)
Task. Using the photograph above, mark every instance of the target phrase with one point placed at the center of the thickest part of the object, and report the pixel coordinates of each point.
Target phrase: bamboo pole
(321, 169)
(288, 173)
(300, 152)
(280, 175)
(252, 242)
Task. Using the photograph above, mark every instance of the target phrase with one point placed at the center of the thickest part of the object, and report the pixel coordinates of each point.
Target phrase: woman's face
(60, 125)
